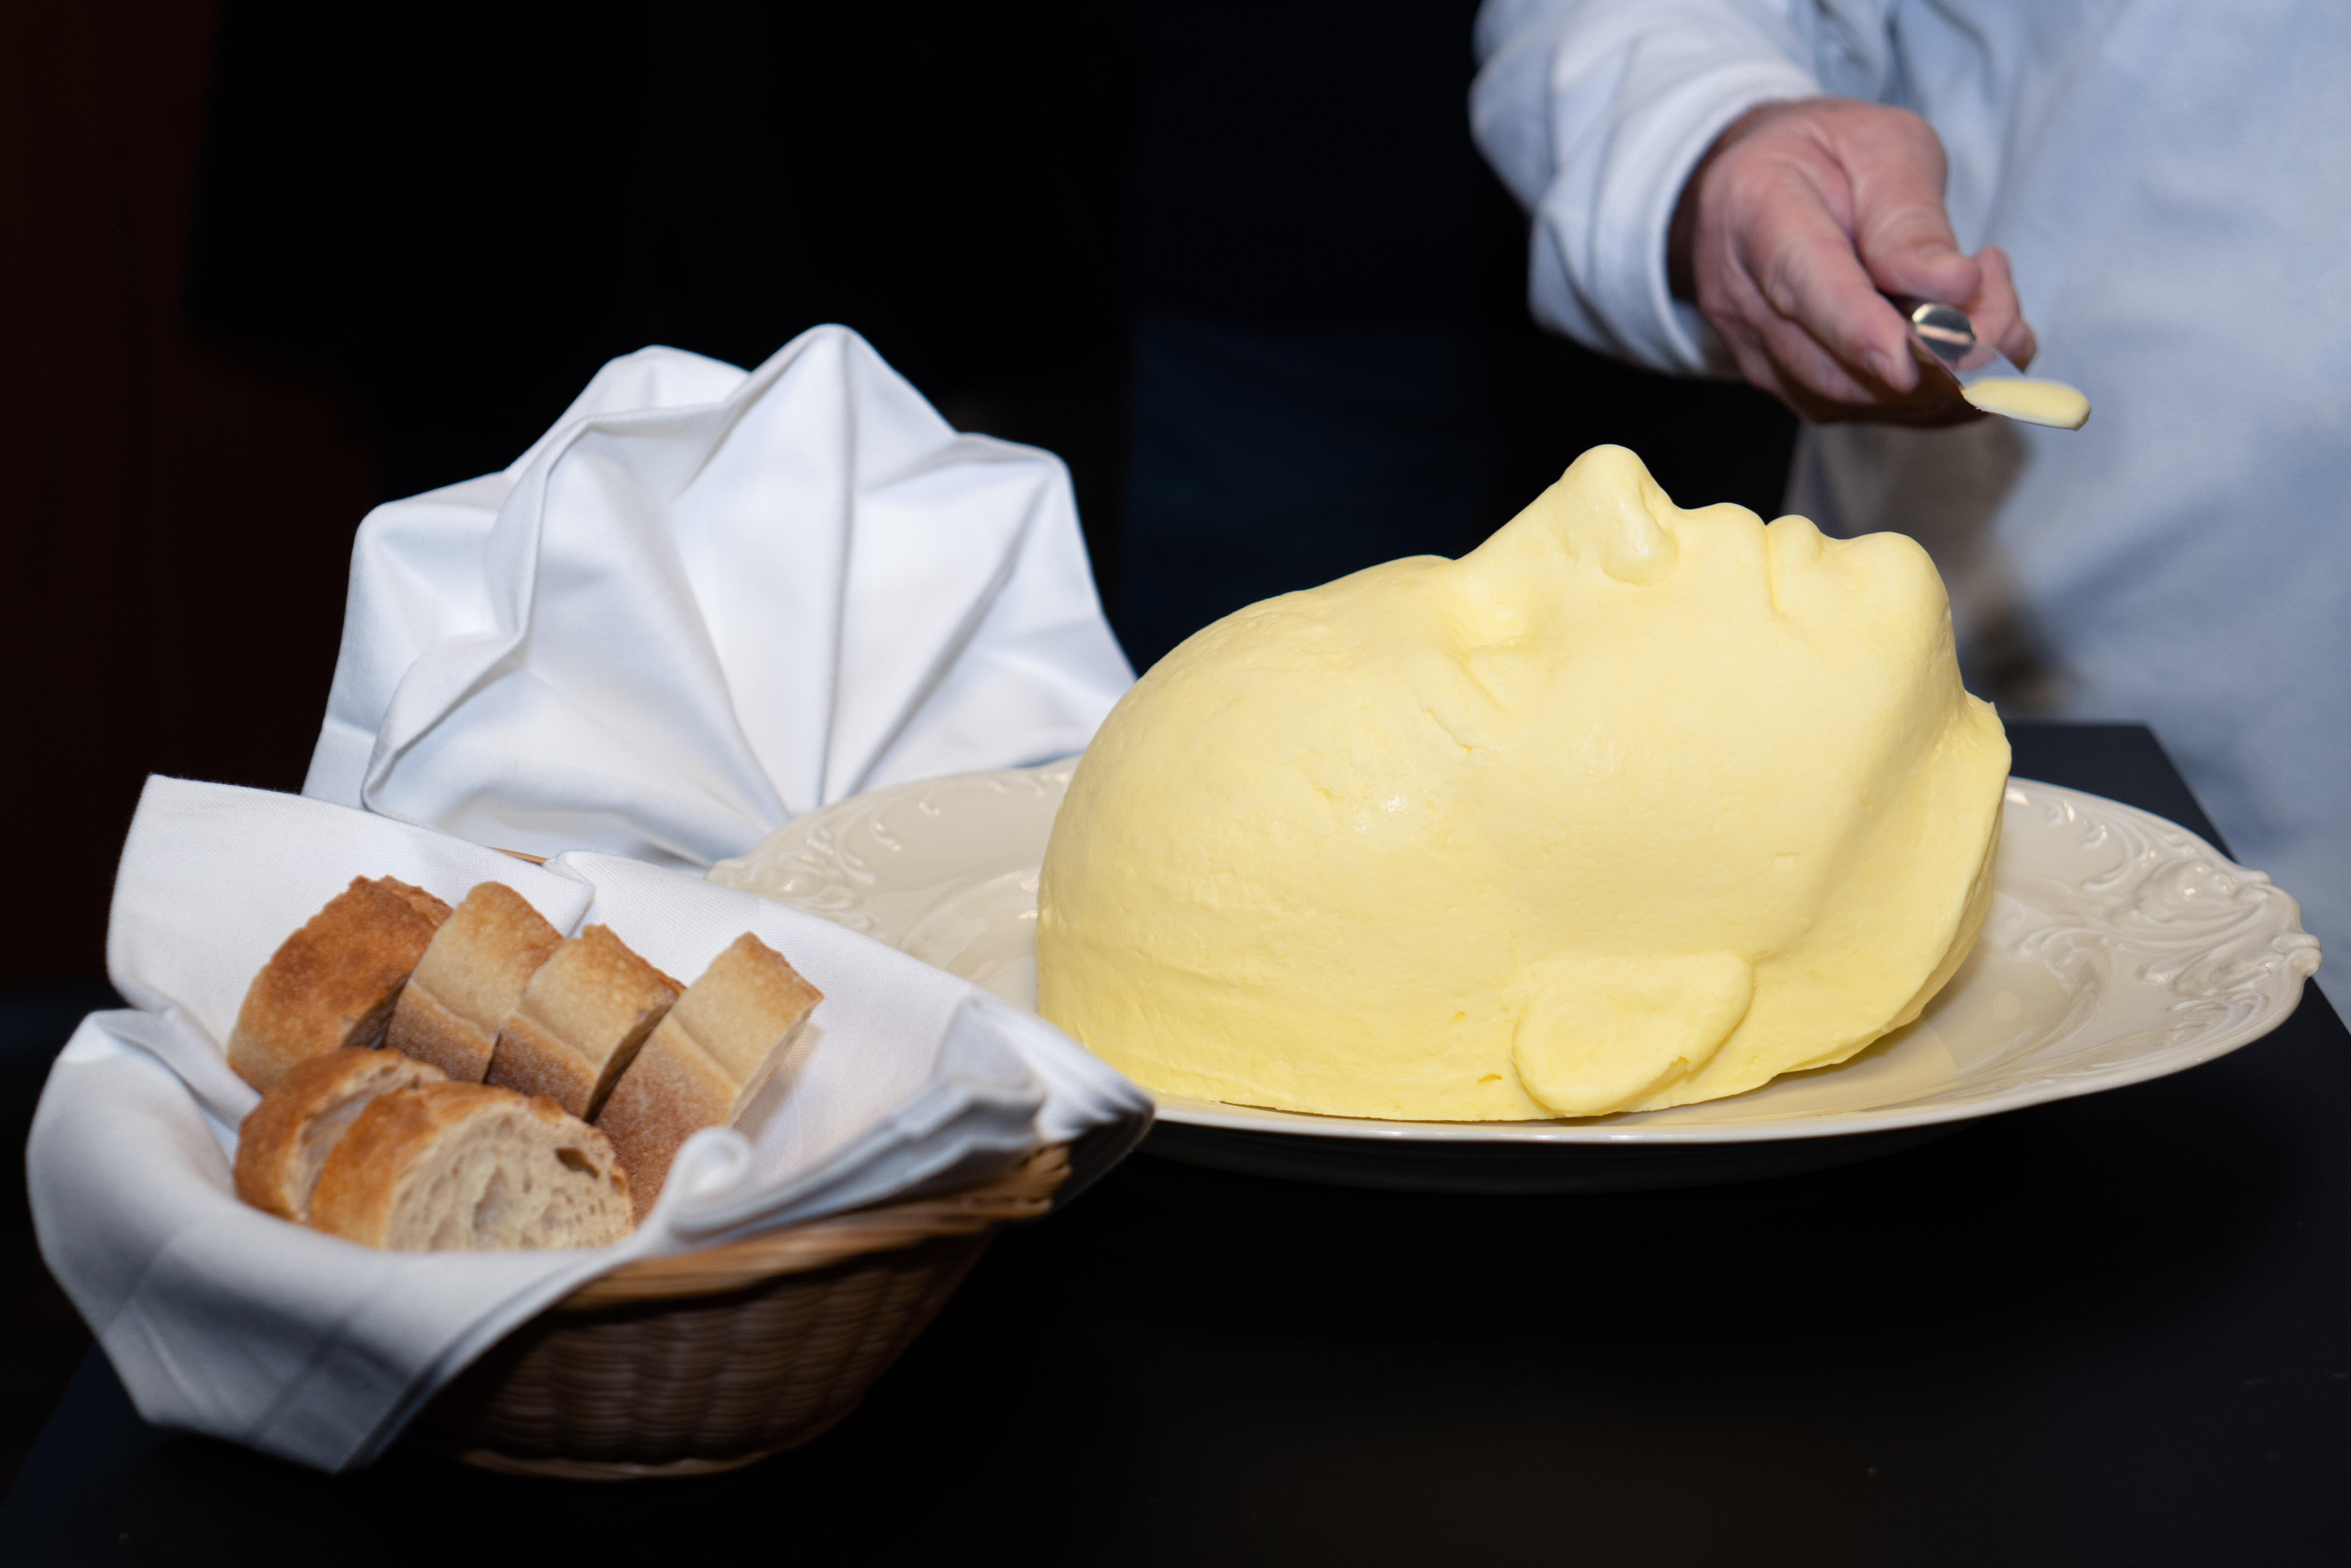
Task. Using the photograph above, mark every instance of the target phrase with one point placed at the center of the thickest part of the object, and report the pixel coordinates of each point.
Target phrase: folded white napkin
(708, 600)
(223, 1319)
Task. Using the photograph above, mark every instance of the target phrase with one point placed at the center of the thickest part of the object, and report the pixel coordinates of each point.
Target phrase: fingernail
(1879, 364)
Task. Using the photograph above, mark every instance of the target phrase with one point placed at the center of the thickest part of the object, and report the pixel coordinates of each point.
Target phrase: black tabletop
(2110, 1330)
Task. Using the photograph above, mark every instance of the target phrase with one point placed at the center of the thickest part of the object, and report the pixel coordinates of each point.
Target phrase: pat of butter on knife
(2031, 400)
(1943, 338)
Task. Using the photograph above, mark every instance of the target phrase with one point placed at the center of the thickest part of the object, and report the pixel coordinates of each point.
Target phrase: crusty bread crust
(533, 1059)
(476, 968)
(706, 1060)
(427, 906)
(422, 1028)
(336, 981)
(580, 1022)
(745, 1008)
(470, 1167)
(285, 1142)
(670, 1093)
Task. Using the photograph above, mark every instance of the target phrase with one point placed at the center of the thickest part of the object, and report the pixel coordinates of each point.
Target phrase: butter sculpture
(1629, 807)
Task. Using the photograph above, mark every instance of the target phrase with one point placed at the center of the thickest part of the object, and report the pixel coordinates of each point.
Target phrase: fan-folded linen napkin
(223, 1319)
(710, 600)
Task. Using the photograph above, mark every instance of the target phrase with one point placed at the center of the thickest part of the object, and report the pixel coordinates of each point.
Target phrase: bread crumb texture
(466, 1167)
(285, 1142)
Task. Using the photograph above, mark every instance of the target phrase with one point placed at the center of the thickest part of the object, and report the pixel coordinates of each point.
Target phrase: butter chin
(1629, 807)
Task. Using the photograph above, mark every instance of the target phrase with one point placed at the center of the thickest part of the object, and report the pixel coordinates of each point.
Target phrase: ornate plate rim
(2254, 971)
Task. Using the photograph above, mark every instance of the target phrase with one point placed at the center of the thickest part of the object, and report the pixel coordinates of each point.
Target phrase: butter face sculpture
(1629, 807)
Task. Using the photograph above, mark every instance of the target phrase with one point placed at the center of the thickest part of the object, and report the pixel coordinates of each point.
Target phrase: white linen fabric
(2169, 179)
(223, 1320)
(707, 601)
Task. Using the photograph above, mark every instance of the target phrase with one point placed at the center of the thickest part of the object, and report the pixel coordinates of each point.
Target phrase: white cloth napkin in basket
(223, 1319)
(708, 600)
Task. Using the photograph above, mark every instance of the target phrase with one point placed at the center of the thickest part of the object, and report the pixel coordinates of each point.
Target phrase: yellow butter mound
(1629, 807)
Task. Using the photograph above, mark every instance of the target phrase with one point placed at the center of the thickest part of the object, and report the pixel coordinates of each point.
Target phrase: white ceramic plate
(2120, 947)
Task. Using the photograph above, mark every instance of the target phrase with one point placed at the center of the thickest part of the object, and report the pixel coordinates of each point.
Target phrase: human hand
(1791, 230)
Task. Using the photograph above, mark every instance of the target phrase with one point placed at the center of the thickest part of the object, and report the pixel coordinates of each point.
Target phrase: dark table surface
(2110, 1330)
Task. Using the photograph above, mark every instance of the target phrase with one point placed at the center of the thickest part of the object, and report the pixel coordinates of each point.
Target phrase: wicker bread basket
(710, 1360)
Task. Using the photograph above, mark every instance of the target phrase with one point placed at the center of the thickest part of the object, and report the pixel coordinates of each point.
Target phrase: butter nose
(1628, 542)
(1609, 512)
(1604, 511)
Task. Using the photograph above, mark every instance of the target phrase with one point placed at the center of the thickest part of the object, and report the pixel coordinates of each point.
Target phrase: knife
(1944, 342)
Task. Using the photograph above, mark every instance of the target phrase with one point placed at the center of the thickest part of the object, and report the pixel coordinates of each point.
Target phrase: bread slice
(581, 1021)
(285, 1142)
(334, 982)
(469, 979)
(707, 1059)
(465, 1168)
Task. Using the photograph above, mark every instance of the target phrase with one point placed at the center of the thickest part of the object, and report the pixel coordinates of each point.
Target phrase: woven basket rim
(1026, 1192)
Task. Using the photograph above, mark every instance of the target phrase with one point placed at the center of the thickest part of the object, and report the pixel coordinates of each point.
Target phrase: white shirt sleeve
(1595, 112)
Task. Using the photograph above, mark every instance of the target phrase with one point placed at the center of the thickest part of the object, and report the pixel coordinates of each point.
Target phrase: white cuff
(1594, 112)
(1600, 244)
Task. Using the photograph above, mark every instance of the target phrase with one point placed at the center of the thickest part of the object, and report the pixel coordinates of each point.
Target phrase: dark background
(264, 265)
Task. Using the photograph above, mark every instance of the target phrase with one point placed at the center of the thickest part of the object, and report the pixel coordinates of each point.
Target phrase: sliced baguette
(335, 982)
(476, 968)
(706, 1060)
(581, 1021)
(466, 1167)
(286, 1138)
